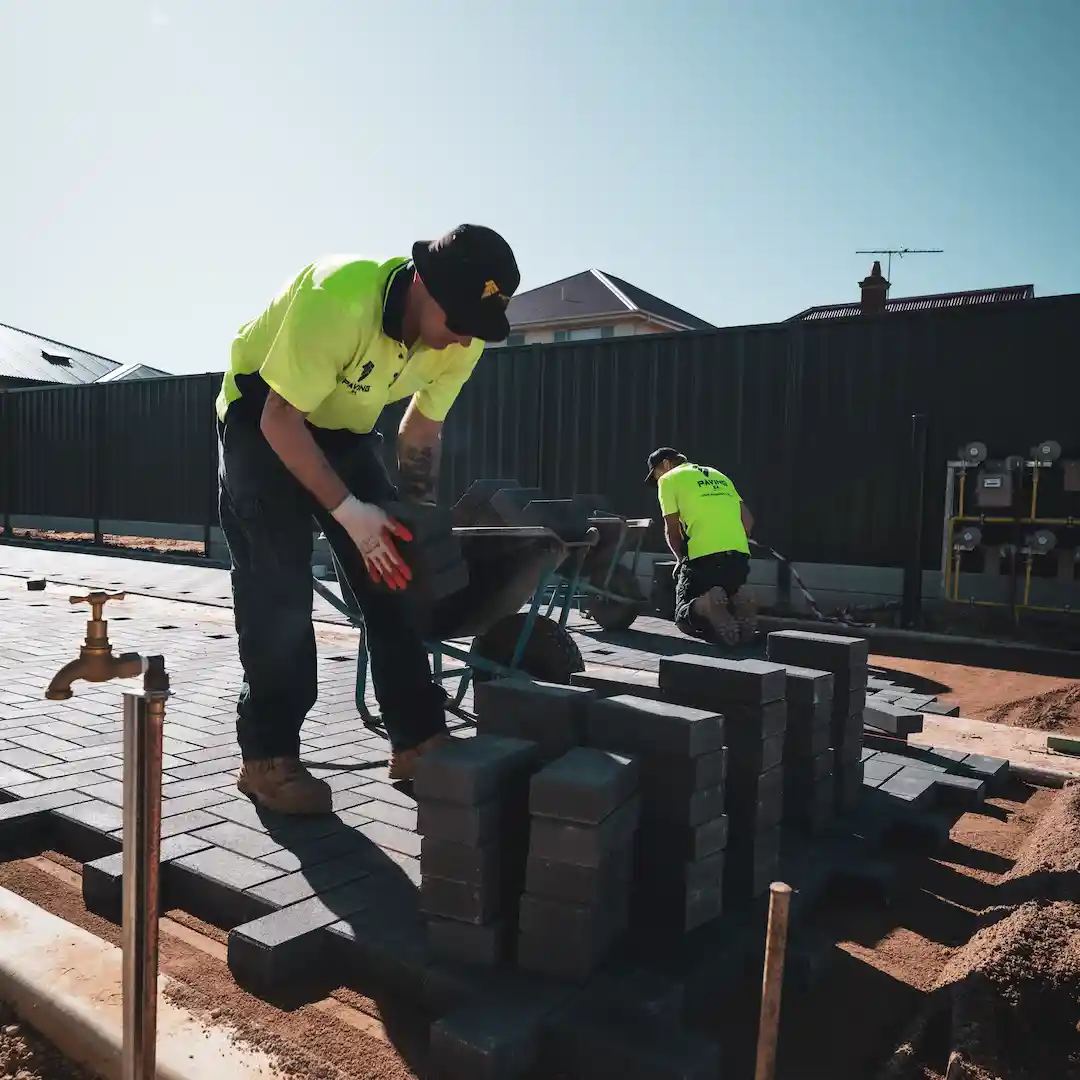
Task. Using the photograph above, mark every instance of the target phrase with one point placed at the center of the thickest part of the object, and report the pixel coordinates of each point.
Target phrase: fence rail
(811, 420)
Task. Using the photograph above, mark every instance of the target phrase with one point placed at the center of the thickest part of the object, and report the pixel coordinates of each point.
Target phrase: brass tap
(95, 662)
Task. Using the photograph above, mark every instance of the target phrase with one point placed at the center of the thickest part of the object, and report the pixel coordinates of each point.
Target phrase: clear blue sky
(168, 165)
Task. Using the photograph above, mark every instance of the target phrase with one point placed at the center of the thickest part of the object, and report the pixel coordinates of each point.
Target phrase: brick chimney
(875, 289)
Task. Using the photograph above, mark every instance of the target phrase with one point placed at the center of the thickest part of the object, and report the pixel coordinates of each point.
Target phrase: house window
(562, 335)
(607, 331)
(516, 339)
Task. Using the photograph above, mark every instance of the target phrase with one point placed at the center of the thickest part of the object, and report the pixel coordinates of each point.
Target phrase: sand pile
(1054, 710)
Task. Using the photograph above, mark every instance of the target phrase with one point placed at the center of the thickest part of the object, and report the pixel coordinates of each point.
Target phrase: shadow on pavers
(348, 917)
(916, 684)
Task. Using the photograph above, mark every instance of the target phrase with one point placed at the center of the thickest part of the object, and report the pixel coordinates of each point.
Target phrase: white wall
(626, 328)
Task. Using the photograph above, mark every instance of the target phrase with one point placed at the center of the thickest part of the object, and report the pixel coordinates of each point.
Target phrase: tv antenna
(900, 253)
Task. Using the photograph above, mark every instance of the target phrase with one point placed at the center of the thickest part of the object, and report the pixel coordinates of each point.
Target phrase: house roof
(132, 371)
(594, 294)
(39, 359)
(924, 303)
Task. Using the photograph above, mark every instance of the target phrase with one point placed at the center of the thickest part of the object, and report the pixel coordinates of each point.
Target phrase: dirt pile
(1048, 865)
(25, 1055)
(1015, 996)
(1055, 710)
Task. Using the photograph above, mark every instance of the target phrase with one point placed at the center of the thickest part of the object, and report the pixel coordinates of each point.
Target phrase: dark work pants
(726, 569)
(266, 516)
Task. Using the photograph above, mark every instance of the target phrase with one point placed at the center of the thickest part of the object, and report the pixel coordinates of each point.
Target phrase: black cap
(472, 273)
(658, 457)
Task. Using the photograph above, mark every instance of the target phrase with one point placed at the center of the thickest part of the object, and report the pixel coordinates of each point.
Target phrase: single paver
(634, 725)
(487, 1041)
(808, 686)
(713, 681)
(470, 771)
(584, 845)
(552, 716)
(584, 785)
(892, 718)
(829, 652)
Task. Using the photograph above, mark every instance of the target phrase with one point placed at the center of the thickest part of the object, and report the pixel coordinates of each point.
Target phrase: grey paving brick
(486, 1041)
(23, 808)
(198, 800)
(965, 791)
(633, 725)
(190, 821)
(613, 681)
(389, 815)
(805, 741)
(61, 729)
(713, 681)
(580, 884)
(475, 865)
(459, 900)
(894, 719)
(829, 652)
(202, 768)
(881, 770)
(351, 798)
(11, 777)
(110, 791)
(73, 768)
(910, 785)
(93, 814)
(679, 908)
(995, 771)
(916, 702)
(388, 836)
(551, 716)
(19, 757)
(227, 868)
(584, 785)
(45, 744)
(471, 771)
(301, 854)
(304, 884)
(808, 686)
(942, 708)
(584, 845)
(201, 783)
(286, 945)
(455, 823)
(59, 783)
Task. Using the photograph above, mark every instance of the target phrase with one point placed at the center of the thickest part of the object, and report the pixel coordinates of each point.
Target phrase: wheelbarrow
(604, 588)
(493, 627)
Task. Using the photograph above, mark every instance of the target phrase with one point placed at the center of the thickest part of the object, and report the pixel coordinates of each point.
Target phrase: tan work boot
(403, 762)
(284, 786)
(713, 607)
(744, 607)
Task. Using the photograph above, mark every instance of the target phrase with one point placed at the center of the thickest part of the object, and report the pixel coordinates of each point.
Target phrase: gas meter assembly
(1011, 535)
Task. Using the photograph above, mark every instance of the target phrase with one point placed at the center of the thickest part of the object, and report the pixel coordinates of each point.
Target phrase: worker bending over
(296, 427)
(706, 525)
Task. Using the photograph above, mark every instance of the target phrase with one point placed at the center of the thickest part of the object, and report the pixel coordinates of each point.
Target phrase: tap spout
(94, 666)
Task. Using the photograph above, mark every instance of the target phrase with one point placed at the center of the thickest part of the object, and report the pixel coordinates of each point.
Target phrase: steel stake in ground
(144, 715)
(772, 980)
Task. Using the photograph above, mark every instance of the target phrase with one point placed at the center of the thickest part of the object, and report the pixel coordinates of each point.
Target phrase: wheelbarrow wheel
(550, 655)
(617, 614)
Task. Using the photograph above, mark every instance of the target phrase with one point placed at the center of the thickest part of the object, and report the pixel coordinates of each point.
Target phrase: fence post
(911, 606)
(7, 444)
(97, 483)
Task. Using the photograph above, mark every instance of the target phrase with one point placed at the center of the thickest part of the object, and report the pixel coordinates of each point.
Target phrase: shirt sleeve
(315, 342)
(435, 399)
(669, 495)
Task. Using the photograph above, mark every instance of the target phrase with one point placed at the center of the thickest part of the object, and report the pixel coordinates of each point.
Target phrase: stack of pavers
(472, 812)
(678, 877)
(750, 694)
(847, 659)
(585, 811)
(809, 786)
(548, 714)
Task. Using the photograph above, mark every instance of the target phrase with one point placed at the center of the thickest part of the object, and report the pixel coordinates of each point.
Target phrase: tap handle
(97, 601)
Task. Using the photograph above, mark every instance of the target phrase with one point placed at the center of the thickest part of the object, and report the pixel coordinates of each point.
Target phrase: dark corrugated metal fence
(812, 420)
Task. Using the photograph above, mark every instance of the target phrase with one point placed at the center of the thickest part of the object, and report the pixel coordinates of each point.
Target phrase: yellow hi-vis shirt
(321, 346)
(708, 507)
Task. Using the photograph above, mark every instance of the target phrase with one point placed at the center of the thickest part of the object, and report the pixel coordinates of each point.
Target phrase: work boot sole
(714, 605)
(746, 616)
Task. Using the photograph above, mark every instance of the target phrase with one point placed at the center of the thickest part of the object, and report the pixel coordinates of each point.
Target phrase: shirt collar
(397, 288)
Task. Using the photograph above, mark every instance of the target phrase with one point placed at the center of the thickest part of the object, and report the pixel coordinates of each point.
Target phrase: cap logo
(492, 289)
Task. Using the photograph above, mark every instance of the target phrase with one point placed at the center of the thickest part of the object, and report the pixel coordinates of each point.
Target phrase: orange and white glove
(371, 529)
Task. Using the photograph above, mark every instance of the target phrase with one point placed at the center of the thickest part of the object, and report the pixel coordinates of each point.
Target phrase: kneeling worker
(296, 423)
(706, 525)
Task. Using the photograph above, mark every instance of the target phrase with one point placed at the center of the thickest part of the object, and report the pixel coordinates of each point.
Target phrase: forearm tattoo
(418, 469)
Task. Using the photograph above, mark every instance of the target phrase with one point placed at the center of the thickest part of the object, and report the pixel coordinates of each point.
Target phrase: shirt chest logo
(357, 385)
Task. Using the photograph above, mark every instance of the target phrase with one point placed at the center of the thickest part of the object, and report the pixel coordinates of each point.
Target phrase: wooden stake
(772, 980)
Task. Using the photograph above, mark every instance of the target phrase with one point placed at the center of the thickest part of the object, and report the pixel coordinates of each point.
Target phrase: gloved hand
(370, 529)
